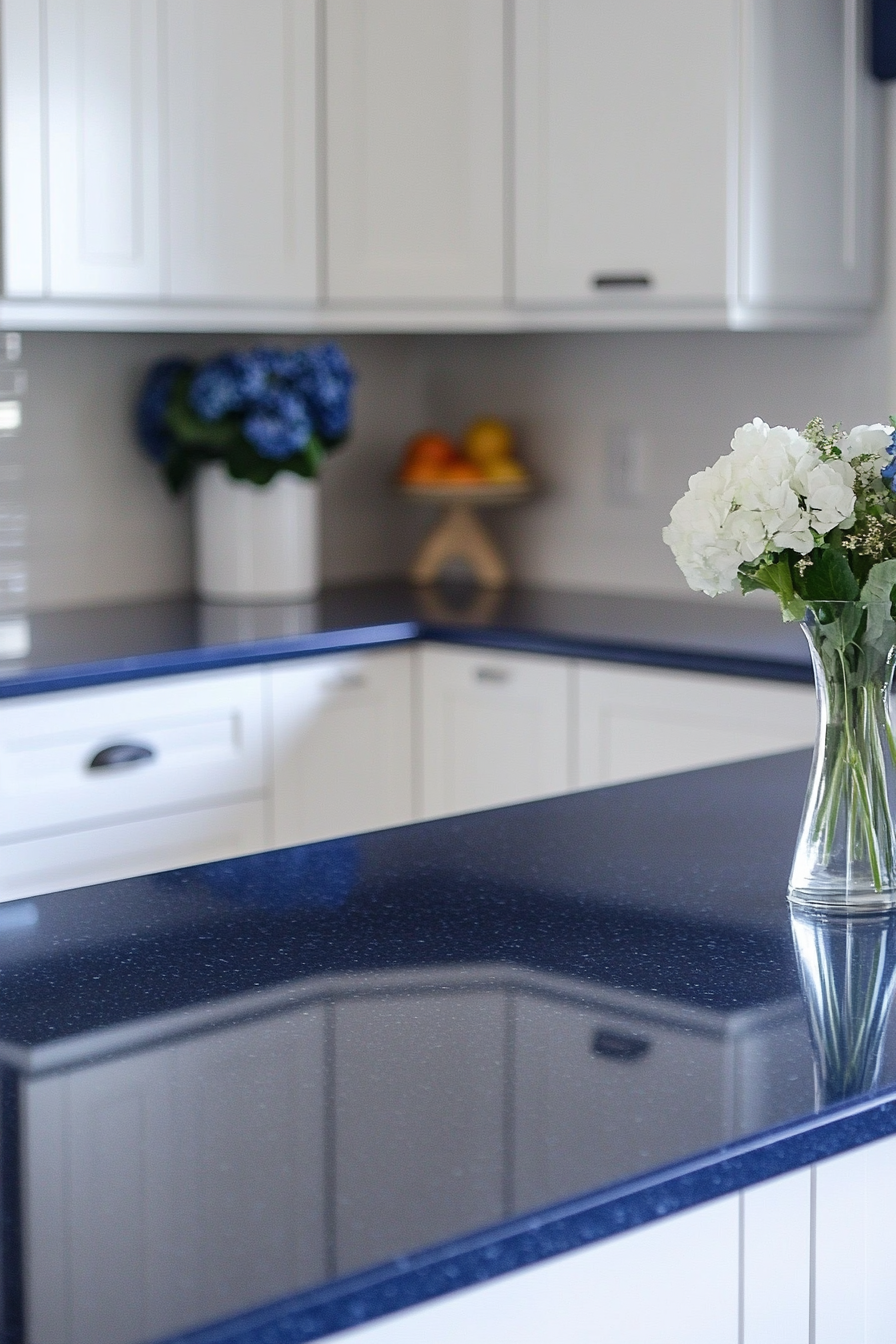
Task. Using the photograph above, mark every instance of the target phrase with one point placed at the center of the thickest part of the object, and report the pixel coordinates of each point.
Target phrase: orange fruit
(431, 448)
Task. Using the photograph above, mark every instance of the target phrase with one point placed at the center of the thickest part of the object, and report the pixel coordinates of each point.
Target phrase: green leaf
(778, 579)
(829, 577)
(880, 582)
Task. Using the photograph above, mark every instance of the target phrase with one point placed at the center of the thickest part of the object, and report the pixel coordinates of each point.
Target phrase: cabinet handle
(619, 1045)
(492, 674)
(121, 753)
(622, 280)
(349, 681)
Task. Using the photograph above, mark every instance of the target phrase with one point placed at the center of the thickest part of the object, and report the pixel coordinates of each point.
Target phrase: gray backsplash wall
(103, 528)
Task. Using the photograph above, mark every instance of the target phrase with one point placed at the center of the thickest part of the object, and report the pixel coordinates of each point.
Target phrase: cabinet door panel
(202, 733)
(674, 1282)
(341, 743)
(241, 148)
(176, 1185)
(621, 149)
(494, 728)
(414, 150)
(21, 89)
(418, 1103)
(103, 147)
(635, 723)
(128, 849)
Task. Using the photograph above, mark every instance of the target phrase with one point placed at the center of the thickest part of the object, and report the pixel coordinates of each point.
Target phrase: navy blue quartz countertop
(93, 645)
(356, 1075)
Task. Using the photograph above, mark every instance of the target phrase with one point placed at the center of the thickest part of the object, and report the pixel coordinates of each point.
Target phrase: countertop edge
(524, 1241)
(78, 676)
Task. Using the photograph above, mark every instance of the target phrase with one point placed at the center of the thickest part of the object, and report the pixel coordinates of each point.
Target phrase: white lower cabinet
(223, 763)
(80, 758)
(636, 722)
(673, 1282)
(494, 728)
(130, 848)
(175, 1186)
(340, 745)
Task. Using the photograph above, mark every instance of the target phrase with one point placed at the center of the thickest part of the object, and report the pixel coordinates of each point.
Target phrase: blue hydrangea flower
(217, 389)
(278, 428)
(326, 381)
(889, 471)
(152, 429)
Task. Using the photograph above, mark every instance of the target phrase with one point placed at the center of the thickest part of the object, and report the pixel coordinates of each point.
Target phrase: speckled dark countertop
(93, 645)
(303, 1089)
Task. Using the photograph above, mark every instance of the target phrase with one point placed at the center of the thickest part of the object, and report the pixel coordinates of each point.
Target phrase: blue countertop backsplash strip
(96, 645)
(489, 1039)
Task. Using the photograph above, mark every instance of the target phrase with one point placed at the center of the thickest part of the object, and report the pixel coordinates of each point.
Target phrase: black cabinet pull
(622, 280)
(493, 674)
(619, 1045)
(120, 753)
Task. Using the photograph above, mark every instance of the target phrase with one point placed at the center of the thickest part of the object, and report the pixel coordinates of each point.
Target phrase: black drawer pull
(622, 280)
(493, 674)
(619, 1045)
(121, 753)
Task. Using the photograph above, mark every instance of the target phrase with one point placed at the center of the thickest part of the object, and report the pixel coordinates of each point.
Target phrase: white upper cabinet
(340, 165)
(621, 151)
(102, 129)
(706, 163)
(241, 149)
(811, 166)
(415, 152)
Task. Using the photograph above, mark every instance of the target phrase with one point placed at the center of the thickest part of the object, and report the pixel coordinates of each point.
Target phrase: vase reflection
(847, 968)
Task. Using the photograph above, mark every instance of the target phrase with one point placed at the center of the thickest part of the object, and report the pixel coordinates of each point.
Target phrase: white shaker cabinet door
(672, 1282)
(415, 108)
(102, 129)
(622, 129)
(175, 1185)
(341, 745)
(241, 149)
(494, 728)
(634, 722)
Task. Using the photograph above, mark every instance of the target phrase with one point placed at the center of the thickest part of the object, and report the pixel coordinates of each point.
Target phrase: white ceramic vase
(255, 543)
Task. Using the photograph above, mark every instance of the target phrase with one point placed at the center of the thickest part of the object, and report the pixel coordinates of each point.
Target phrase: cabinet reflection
(362, 1117)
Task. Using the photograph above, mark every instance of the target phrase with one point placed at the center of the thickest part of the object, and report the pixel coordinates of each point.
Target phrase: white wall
(103, 528)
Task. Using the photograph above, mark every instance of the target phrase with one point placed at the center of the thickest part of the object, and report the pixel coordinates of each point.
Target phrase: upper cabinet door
(811, 164)
(622, 123)
(103, 147)
(415, 171)
(241, 149)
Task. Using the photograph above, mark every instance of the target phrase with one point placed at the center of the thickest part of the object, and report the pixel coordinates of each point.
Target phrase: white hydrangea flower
(829, 494)
(774, 491)
(868, 440)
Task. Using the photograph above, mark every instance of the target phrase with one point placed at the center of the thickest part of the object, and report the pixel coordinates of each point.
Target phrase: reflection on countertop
(248, 1080)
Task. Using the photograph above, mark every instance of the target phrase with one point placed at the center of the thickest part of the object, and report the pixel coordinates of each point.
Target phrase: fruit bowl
(478, 493)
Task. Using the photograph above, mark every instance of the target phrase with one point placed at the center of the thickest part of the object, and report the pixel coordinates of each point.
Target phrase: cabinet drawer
(192, 739)
(129, 849)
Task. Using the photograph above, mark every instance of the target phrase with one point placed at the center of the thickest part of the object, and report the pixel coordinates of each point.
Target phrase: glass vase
(846, 853)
